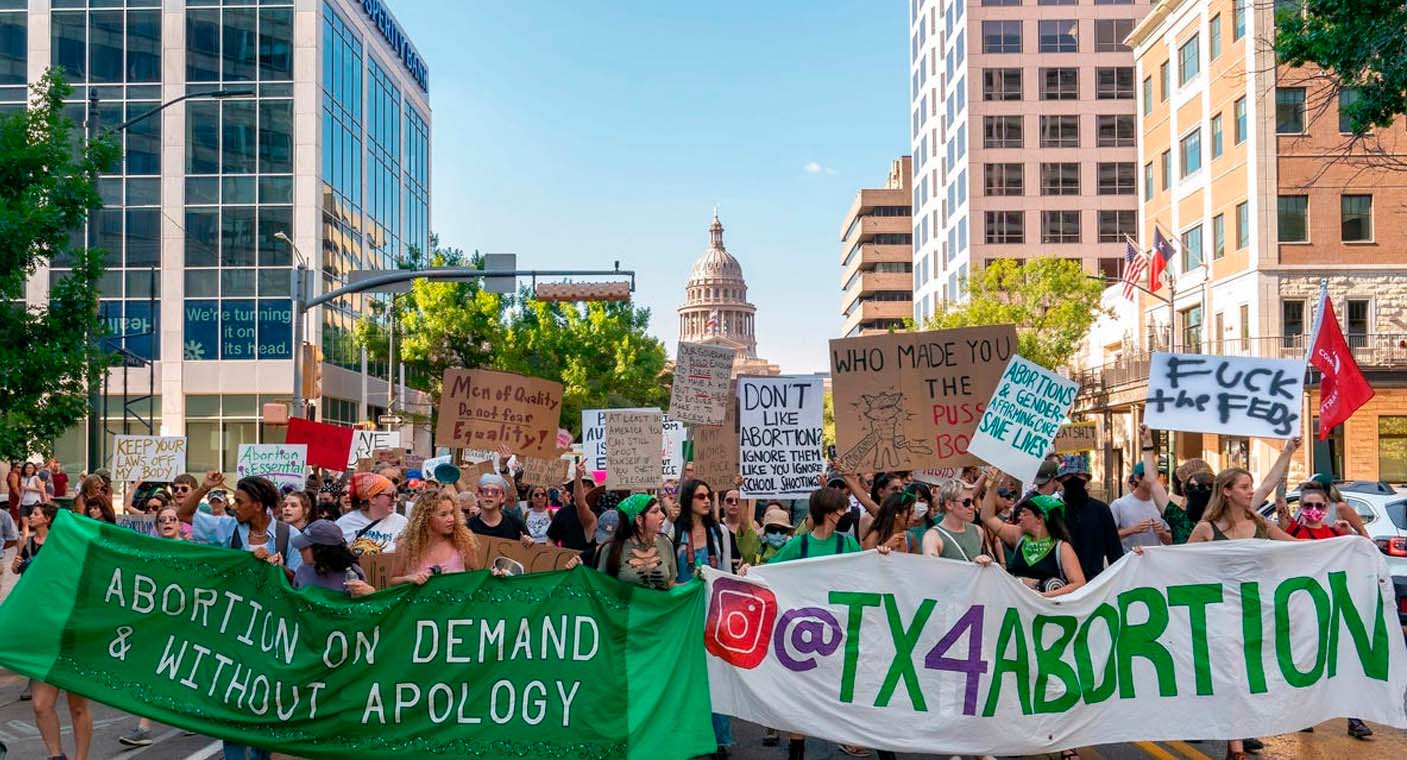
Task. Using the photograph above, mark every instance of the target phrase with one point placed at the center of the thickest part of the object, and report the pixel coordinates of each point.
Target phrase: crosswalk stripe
(208, 752)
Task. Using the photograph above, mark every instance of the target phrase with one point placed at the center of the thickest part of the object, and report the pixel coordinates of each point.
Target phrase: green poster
(568, 664)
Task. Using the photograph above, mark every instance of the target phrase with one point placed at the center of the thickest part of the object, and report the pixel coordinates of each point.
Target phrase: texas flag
(1158, 262)
(1343, 388)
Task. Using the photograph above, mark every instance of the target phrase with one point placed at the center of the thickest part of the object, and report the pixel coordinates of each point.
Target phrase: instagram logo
(739, 624)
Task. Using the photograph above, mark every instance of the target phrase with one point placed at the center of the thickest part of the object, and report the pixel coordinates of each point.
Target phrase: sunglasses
(730, 500)
(1314, 504)
(966, 502)
(490, 492)
(1006, 493)
(701, 495)
(165, 520)
(180, 489)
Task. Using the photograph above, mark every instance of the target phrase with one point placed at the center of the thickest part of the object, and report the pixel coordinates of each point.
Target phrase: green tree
(1361, 44)
(50, 355)
(1051, 301)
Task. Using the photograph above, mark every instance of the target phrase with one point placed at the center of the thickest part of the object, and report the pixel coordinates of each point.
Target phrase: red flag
(1343, 388)
(328, 445)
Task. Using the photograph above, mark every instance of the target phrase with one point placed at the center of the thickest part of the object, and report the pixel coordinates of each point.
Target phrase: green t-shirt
(816, 547)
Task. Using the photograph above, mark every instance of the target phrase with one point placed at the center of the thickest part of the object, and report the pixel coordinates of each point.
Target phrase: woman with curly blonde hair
(435, 541)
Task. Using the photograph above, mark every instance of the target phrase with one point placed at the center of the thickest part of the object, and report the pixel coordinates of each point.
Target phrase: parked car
(1384, 517)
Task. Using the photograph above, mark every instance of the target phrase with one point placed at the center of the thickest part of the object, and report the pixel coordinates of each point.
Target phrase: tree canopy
(50, 354)
(1361, 43)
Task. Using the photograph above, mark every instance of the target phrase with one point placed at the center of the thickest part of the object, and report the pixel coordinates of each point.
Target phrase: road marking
(155, 742)
(1156, 751)
(208, 752)
(1189, 750)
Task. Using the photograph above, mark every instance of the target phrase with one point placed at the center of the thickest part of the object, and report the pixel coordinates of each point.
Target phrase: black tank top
(1046, 568)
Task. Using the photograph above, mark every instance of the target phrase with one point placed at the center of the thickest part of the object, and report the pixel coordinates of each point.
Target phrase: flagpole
(1318, 319)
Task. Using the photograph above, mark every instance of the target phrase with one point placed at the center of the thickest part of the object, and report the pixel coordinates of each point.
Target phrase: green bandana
(635, 504)
(1035, 549)
(1047, 504)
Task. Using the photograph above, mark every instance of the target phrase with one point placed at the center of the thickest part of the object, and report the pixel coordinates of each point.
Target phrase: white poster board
(636, 440)
(283, 463)
(1019, 426)
(364, 442)
(779, 421)
(702, 381)
(675, 434)
(1225, 395)
(153, 458)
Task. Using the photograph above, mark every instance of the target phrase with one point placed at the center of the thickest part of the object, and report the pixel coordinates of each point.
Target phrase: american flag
(1135, 264)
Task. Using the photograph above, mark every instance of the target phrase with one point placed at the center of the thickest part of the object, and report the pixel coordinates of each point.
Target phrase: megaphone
(441, 469)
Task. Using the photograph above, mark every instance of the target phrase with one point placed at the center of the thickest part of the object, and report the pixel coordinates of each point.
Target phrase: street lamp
(91, 133)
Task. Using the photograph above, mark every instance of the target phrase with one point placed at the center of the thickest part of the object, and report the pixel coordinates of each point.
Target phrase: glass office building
(327, 143)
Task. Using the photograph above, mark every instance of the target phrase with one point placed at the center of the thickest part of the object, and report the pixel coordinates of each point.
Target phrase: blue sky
(580, 133)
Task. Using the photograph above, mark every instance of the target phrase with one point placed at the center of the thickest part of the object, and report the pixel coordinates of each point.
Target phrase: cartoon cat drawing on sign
(879, 449)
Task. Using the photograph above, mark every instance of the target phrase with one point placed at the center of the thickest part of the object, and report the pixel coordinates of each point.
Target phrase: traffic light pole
(302, 303)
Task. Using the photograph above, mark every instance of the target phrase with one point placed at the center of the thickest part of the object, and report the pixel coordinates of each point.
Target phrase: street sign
(500, 262)
(390, 420)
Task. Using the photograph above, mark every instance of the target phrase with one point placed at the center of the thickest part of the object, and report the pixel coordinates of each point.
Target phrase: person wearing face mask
(955, 536)
(924, 515)
(776, 530)
(1094, 532)
(1194, 479)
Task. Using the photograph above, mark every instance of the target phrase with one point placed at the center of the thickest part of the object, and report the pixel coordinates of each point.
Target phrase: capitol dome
(716, 263)
(716, 309)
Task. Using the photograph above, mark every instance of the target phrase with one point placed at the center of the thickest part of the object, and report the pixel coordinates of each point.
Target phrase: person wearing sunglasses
(737, 519)
(374, 526)
(492, 519)
(955, 536)
(698, 539)
(538, 517)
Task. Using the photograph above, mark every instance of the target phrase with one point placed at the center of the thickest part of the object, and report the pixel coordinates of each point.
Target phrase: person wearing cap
(327, 562)
(218, 501)
(638, 553)
(251, 527)
(1139, 513)
(492, 520)
(1045, 483)
(374, 526)
(1093, 531)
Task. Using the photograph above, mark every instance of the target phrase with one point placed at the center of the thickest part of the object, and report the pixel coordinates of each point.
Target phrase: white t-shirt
(379, 539)
(537, 523)
(1129, 510)
(28, 498)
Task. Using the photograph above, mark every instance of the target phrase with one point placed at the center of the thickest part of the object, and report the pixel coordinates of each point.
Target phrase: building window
(1060, 131)
(1292, 322)
(1060, 179)
(1192, 248)
(1189, 61)
(1289, 110)
(1244, 314)
(1001, 132)
(1214, 38)
(1392, 448)
(1005, 227)
(1347, 97)
(1191, 330)
(1109, 35)
(1001, 84)
(1147, 95)
(1115, 131)
(1114, 83)
(1356, 218)
(1114, 226)
(1059, 36)
(1235, 452)
(1357, 320)
(1216, 137)
(1003, 179)
(1001, 36)
(1293, 221)
(1240, 120)
(1060, 226)
(1117, 178)
(1167, 169)
(14, 47)
(1109, 268)
(1218, 236)
(1190, 149)
(1238, 19)
(1148, 181)
(1164, 83)
(1243, 225)
(1219, 333)
(1060, 84)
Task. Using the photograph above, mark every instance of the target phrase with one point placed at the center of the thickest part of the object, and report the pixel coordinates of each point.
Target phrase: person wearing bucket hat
(1093, 530)
(374, 526)
(638, 553)
(327, 562)
(776, 530)
(1042, 558)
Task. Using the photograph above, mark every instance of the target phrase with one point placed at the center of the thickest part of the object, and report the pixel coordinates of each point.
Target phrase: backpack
(806, 544)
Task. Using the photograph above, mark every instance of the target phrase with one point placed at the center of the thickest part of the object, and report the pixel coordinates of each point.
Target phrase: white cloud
(813, 167)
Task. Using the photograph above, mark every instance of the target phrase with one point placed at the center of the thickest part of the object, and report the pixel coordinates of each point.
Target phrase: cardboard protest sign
(469, 474)
(544, 472)
(389, 457)
(283, 463)
(911, 401)
(1020, 422)
(937, 475)
(779, 441)
(672, 458)
(485, 409)
(634, 440)
(517, 559)
(702, 382)
(365, 444)
(716, 452)
(328, 445)
(1201, 642)
(1226, 395)
(155, 458)
(1078, 436)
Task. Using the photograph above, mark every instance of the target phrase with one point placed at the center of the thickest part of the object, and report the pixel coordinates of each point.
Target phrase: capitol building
(716, 310)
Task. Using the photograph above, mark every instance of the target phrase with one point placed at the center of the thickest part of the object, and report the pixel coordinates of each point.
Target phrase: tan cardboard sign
(1078, 436)
(911, 401)
(702, 383)
(504, 553)
(634, 440)
(484, 409)
(716, 451)
(544, 472)
(469, 474)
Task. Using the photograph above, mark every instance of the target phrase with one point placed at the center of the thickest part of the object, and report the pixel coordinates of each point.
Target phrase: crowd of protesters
(1051, 534)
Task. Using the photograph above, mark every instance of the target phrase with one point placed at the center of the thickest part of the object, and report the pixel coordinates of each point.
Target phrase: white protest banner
(779, 423)
(1021, 421)
(1226, 395)
(283, 463)
(143, 524)
(702, 380)
(675, 434)
(366, 442)
(635, 441)
(593, 436)
(1205, 641)
(153, 458)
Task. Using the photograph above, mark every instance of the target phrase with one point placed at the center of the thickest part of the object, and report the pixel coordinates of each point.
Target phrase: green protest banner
(567, 664)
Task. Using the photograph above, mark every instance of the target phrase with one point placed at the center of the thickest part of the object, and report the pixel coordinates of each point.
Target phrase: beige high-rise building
(1249, 169)
(876, 256)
